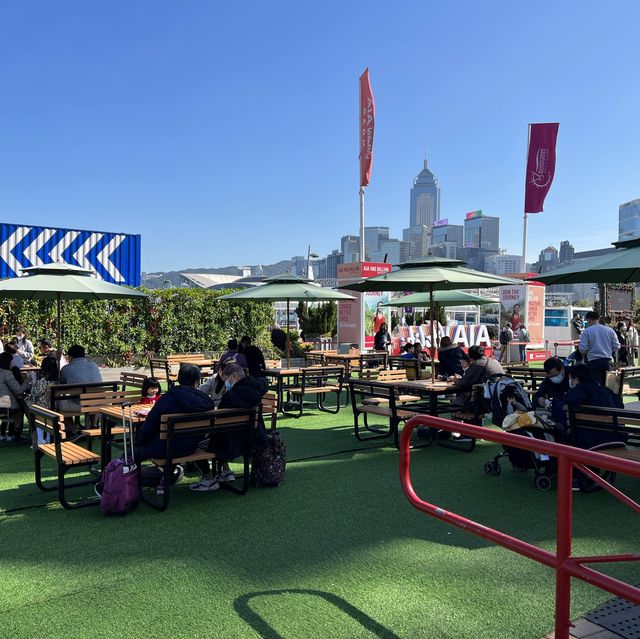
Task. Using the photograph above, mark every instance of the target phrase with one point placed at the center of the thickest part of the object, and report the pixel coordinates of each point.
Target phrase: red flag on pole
(367, 121)
(541, 165)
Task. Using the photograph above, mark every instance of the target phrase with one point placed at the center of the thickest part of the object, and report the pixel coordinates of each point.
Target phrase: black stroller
(504, 391)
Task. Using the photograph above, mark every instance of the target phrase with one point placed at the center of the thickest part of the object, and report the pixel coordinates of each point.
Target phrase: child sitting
(150, 391)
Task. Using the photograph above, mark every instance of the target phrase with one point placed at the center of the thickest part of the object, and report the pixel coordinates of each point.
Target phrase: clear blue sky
(226, 132)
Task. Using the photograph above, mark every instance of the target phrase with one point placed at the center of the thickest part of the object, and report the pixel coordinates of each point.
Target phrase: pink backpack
(120, 488)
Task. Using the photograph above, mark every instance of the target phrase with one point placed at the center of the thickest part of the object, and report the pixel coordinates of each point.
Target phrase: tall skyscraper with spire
(424, 210)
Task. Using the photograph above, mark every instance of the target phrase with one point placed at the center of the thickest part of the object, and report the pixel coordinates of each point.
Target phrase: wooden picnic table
(426, 389)
(290, 376)
(342, 359)
(114, 413)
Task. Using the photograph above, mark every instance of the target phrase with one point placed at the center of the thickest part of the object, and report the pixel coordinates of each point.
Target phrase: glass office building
(629, 220)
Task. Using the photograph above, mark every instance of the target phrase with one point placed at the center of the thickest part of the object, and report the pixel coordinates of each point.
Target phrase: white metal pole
(525, 229)
(362, 259)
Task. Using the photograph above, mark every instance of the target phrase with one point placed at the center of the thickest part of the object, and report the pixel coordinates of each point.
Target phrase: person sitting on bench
(449, 356)
(241, 391)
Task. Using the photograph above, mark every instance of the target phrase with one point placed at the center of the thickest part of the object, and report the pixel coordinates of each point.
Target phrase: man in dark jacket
(183, 398)
(449, 356)
(554, 385)
(241, 391)
(254, 357)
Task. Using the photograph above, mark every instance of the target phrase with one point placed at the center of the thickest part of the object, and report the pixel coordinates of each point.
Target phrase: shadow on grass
(242, 606)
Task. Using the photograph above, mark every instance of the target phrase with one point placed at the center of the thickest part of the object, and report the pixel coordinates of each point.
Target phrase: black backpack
(503, 337)
(268, 464)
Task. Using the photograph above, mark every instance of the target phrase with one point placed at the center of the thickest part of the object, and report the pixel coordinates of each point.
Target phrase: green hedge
(169, 321)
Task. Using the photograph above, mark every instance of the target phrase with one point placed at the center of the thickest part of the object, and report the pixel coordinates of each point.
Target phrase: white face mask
(228, 385)
(573, 382)
(557, 379)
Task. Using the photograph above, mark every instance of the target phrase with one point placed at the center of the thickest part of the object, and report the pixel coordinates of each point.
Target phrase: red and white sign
(541, 165)
(367, 123)
(350, 312)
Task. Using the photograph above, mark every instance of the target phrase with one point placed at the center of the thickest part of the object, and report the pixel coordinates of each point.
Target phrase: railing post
(563, 548)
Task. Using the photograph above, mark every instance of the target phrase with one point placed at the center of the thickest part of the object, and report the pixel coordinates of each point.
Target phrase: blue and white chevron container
(113, 257)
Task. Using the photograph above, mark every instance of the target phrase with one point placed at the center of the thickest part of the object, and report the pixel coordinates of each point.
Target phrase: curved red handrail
(564, 564)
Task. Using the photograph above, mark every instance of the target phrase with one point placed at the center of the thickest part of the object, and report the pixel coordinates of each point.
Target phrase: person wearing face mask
(184, 397)
(241, 391)
(555, 384)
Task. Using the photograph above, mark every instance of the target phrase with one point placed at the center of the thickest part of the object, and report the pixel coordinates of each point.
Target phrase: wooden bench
(318, 382)
(366, 399)
(132, 380)
(388, 376)
(162, 371)
(66, 454)
(270, 409)
(618, 420)
(313, 359)
(240, 423)
(628, 374)
(92, 402)
(272, 363)
(370, 361)
(529, 378)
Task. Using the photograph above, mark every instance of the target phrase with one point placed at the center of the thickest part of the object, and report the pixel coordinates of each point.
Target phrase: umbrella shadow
(264, 629)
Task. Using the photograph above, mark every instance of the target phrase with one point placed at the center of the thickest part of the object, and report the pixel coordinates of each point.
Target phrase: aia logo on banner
(541, 177)
(366, 132)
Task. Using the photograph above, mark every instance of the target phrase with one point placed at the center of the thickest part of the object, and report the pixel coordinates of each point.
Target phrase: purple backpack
(120, 488)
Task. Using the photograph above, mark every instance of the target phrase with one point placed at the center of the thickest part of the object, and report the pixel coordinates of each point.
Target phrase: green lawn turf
(336, 551)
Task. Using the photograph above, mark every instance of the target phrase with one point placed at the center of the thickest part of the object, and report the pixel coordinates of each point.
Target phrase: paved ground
(113, 374)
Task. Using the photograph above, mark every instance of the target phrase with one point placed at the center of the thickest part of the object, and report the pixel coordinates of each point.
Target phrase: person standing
(382, 339)
(599, 343)
(577, 327)
(254, 357)
(505, 337)
(633, 341)
(524, 338)
(623, 351)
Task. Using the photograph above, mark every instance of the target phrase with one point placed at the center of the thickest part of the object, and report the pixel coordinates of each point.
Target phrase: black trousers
(599, 368)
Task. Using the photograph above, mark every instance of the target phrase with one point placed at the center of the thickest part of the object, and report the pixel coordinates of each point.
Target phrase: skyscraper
(350, 248)
(424, 210)
(424, 199)
(373, 235)
(481, 231)
(629, 220)
(566, 252)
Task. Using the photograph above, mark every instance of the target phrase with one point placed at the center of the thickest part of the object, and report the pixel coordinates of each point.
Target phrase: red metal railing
(565, 565)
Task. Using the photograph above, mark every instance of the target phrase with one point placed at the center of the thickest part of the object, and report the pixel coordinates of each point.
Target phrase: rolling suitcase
(120, 489)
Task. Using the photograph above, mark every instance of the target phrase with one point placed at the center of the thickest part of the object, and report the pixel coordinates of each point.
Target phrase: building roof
(207, 280)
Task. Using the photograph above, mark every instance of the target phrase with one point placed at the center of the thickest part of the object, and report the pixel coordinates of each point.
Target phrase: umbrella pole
(58, 322)
(433, 343)
(288, 338)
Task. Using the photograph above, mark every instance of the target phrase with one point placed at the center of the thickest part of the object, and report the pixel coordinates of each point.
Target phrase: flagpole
(525, 231)
(362, 258)
(525, 226)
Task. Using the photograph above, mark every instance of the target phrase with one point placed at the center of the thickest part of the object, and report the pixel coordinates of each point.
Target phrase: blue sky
(226, 133)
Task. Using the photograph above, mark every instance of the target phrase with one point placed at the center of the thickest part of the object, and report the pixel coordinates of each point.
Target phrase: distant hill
(168, 279)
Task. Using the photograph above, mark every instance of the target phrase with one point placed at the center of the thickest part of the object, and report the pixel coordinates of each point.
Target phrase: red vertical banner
(367, 122)
(541, 165)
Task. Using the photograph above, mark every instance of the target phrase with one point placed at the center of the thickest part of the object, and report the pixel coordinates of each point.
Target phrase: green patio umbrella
(441, 298)
(286, 287)
(621, 266)
(428, 275)
(61, 281)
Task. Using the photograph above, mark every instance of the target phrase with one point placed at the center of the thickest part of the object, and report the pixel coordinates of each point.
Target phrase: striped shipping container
(113, 257)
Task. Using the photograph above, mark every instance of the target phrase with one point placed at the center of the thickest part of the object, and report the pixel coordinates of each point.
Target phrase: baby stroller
(544, 467)
(506, 396)
(511, 409)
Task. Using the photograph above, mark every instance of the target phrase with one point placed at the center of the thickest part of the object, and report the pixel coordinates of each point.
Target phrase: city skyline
(193, 124)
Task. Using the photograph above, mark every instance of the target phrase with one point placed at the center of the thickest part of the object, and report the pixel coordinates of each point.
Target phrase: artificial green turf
(336, 551)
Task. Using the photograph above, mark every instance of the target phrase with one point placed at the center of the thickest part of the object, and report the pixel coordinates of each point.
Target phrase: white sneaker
(226, 476)
(205, 486)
